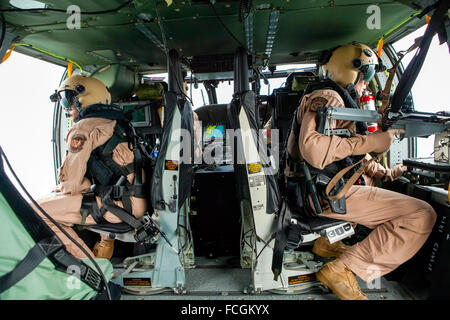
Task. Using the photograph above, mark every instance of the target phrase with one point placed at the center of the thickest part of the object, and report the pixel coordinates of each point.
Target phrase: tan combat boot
(341, 280)
(104, 248)
(323, 248)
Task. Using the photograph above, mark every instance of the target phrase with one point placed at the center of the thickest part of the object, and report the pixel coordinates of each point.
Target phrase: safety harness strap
(89, 206)
(103, 156)
(122, 214)
(284, 221)
(33, 258)
(350, 181)
(295, 126)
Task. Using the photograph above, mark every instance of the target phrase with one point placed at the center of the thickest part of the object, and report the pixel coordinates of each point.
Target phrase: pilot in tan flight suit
(401, 224)
(64, 203)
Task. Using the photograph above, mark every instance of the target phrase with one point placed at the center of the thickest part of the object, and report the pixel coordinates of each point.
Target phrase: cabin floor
(223, 279)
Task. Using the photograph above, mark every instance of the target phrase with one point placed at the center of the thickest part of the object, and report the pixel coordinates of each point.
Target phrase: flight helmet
(80, 91)
(347, 64)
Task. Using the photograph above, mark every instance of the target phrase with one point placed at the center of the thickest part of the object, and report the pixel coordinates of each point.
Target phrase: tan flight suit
(401, 223)
(64, 203)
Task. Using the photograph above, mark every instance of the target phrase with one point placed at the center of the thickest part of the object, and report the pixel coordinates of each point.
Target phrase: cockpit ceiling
(298, 30)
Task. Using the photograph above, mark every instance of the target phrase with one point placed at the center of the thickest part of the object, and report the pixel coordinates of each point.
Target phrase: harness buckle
(117, 192)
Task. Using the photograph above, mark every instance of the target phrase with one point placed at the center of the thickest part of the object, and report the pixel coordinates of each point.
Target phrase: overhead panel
(277, 31)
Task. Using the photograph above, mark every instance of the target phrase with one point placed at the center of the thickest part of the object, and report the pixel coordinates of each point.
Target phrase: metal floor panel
(231, 283)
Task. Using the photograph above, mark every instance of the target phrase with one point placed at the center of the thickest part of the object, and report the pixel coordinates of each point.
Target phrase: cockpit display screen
(215, 149)
(138, 115)
(213, 133)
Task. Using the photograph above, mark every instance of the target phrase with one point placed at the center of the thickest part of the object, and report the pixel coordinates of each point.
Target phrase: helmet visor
(67, 98)
(368, 72)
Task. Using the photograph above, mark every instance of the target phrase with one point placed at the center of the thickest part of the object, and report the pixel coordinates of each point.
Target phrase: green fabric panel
(44, 282)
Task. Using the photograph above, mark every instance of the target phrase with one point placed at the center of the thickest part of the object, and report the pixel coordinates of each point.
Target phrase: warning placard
(302, 278)
(171, 165)
(137, 282)
(254, 168)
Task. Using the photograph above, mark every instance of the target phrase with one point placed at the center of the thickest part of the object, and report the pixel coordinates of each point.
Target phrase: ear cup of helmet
(80, 88)
(357, 63)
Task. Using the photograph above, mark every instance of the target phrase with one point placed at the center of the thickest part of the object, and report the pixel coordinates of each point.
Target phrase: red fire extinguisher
(367, 102)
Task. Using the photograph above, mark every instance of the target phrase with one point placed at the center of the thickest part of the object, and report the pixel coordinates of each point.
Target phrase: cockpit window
(431, 83)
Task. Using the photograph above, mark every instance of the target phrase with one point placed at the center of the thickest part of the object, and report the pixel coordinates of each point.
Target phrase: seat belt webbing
(350, 181)
(33, 258)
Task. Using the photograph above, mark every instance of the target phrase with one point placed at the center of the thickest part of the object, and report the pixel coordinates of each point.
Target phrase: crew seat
(285, 100)
(147, 125)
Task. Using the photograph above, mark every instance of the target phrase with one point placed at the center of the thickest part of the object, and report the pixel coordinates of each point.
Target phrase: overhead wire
(381, 40)
(49, 53)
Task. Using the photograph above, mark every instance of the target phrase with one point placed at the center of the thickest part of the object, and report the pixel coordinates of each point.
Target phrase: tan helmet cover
(345, 62)
(90, 90)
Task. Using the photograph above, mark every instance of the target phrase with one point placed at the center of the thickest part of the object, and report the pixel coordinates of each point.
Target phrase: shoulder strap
(33, 258)
(352, 179)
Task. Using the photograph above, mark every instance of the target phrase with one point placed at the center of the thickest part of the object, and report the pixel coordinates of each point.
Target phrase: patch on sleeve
(77, 143)
(318, 102)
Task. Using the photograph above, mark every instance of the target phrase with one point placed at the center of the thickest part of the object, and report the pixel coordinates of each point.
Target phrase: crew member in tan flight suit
(401, 224)
(64, 203)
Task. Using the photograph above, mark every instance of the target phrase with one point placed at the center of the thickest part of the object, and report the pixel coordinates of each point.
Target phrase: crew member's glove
(394, 173)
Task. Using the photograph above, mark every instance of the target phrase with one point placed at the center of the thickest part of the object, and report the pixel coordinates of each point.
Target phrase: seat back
(285, 100)
(284, 103)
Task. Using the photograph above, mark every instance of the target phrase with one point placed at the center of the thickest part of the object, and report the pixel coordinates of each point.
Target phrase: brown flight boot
(341, 280)
(104, 248)
(323, 248)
